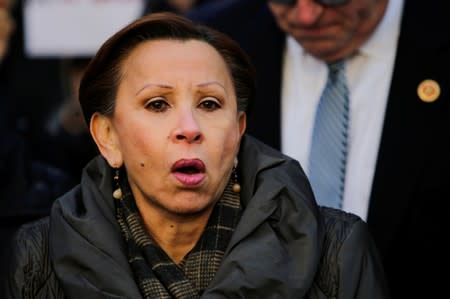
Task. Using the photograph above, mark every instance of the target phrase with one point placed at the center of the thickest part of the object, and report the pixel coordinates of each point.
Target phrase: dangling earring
(117, 194)
(236, 187)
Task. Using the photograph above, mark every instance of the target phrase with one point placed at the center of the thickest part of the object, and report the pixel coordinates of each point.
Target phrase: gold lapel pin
(428, 91)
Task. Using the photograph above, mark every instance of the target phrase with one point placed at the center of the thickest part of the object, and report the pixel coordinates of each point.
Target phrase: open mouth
(189, 172)
(189, 166)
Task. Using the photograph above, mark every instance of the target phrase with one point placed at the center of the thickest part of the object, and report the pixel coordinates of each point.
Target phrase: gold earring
(236, 187)
(117, 194)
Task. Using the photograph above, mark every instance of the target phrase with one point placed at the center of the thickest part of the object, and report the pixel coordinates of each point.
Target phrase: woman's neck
(175, 234)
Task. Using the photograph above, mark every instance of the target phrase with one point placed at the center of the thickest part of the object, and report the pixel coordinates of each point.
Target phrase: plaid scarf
(155, 273)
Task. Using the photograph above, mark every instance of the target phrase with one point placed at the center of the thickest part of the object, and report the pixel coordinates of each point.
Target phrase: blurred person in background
(34, 85)
(42, 151)
(69, 146)
(397, 68)
(36, 172)
(7, 25)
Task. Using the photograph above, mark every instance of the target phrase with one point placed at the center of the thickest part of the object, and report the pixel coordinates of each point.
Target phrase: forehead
(166, 55)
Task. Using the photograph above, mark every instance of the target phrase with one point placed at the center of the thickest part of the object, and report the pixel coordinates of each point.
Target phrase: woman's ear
(242, 123)
(104, 135)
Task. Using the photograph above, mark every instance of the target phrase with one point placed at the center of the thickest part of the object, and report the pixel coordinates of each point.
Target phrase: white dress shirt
(368, 74)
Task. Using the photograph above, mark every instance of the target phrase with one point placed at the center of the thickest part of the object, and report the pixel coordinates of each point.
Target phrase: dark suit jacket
(412, 178)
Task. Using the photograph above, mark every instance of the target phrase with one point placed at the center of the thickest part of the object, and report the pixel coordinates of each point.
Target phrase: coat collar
(266, 174)
(88, 252)
(277, 244)
(86, 246)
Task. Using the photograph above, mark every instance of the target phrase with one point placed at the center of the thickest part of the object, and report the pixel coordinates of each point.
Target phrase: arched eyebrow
(212, 83)
(164, 86)
(169, 87)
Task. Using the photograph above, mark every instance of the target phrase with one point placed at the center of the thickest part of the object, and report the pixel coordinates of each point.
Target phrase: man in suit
(398, 73)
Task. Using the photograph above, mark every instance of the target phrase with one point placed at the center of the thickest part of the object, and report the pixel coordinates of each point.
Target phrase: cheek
(225, 143)
(349, 18)
(139, 143)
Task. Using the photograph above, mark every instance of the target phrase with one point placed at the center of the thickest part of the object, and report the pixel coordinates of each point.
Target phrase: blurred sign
(67, 28)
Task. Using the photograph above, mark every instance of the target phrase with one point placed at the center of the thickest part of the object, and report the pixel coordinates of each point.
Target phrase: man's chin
(324, 50)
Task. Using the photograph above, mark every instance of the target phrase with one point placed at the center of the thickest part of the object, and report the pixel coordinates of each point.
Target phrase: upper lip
(186, 165)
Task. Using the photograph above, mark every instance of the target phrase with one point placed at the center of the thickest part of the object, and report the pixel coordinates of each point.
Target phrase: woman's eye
(157, 105)
(210, 105)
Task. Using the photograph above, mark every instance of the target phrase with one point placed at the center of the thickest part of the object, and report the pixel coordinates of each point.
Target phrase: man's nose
(308, 11)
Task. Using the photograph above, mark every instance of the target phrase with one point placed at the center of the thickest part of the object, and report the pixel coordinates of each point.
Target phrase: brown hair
(100, 82)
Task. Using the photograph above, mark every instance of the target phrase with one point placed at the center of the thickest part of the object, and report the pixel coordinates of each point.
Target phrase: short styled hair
(99, 85)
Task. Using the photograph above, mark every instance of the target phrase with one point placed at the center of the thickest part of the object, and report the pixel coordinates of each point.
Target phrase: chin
(190, 212)
(191, 207)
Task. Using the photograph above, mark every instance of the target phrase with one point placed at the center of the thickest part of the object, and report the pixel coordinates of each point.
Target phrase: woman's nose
(188, 129)
(308, 12)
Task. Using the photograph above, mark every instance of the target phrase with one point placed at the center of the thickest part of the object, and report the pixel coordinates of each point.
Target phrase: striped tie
(328, 154)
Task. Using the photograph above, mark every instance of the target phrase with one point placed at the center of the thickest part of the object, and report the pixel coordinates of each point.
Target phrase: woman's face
(176, 125)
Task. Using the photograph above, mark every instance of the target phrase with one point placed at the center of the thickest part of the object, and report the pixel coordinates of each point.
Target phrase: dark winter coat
(284, 245)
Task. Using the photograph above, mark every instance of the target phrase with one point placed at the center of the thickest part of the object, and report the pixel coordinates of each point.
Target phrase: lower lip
(189, 179)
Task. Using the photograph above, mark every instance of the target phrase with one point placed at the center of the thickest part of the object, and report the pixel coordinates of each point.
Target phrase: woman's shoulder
(266, 172)
(30, 273)
(259, 156)
(349, 258)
